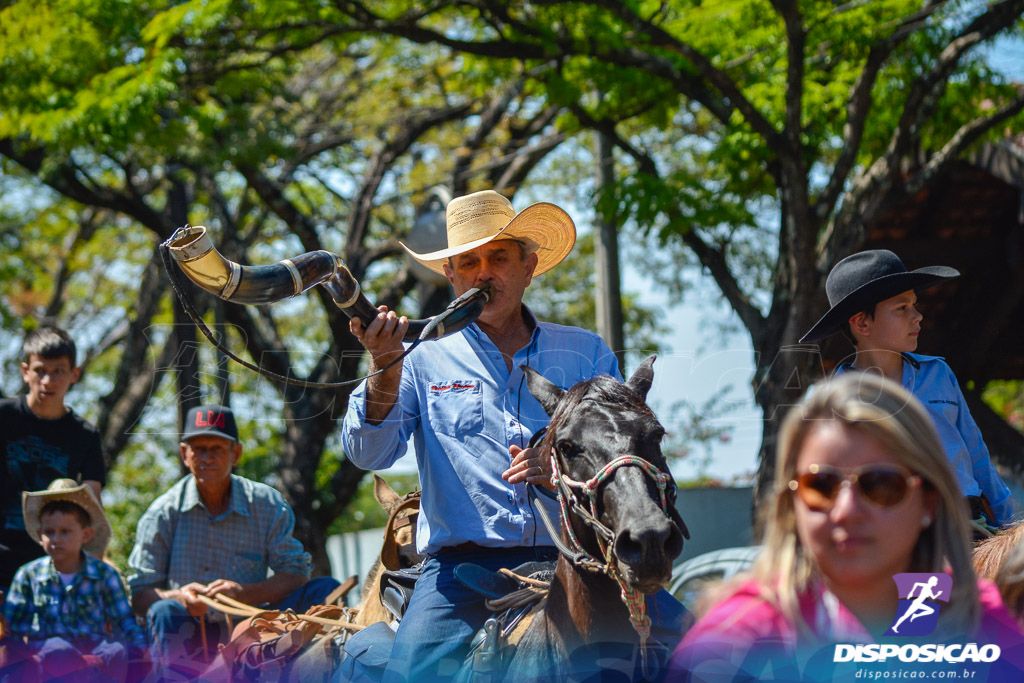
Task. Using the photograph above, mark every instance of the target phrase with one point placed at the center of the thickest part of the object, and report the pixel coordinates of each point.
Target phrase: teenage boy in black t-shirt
(41, 439)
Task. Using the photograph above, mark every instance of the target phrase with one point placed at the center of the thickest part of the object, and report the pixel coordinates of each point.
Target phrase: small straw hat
(482, 217)
(80, 494)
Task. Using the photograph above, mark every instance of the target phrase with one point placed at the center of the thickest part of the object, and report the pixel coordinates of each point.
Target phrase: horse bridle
(389, 552)
(568, 502)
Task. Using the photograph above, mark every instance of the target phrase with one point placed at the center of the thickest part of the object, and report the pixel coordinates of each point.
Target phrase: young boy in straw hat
(873, 304)
(70, 607)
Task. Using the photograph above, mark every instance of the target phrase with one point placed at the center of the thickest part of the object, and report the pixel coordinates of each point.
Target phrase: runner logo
(918, 612)
(917, 615)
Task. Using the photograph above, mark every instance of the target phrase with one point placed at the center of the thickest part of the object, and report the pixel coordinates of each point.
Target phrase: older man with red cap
(214, 533)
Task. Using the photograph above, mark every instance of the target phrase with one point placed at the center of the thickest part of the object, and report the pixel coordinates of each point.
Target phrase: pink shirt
(745, 637)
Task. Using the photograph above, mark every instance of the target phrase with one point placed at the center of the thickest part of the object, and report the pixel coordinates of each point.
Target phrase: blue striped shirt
(93, 605)
(463, 409)
(178, 541)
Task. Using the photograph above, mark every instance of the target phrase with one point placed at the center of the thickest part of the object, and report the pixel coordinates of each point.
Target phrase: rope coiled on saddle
(532, 591)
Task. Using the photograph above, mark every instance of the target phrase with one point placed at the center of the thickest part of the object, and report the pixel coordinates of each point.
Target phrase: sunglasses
(884, 486)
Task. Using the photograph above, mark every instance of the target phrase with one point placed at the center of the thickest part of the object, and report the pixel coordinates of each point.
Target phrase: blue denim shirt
(934, 384)
(463, 409)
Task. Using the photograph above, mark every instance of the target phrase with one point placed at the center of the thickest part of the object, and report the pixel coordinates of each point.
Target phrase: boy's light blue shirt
(935, 385)
(463, 409)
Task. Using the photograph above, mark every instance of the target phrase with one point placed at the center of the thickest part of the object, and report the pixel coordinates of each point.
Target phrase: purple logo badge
(918, 612)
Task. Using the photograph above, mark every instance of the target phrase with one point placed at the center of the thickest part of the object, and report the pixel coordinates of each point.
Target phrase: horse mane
(371, 610)
(988, 556)
(602, 389)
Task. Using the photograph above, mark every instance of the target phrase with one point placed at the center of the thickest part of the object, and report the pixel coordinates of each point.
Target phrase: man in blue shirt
(464, 403)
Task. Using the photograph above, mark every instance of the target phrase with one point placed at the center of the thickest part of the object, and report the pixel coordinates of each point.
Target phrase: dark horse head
(593, 424)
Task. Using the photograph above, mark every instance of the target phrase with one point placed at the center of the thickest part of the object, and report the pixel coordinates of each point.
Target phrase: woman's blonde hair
(888, 413)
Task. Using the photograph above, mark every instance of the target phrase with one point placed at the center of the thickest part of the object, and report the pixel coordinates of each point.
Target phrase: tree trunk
(606, 252)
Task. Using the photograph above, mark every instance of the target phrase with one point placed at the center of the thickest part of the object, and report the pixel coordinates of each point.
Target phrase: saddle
(264, 644)
(513, 595)
(396, 587)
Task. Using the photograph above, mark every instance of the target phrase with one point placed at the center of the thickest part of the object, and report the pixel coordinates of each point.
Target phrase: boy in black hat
(873, 304)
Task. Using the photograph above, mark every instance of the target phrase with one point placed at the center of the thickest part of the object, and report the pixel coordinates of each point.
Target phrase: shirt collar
(89, 568)
(910, 368)
(531, 321)
(237, 501)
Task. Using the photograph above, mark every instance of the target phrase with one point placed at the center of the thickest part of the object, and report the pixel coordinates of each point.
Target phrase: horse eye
(566, 448)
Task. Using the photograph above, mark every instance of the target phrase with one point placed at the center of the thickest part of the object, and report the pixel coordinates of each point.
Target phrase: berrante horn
(193, 250)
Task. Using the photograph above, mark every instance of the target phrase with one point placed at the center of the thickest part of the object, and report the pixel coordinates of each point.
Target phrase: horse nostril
(651, 543)
(628, 549)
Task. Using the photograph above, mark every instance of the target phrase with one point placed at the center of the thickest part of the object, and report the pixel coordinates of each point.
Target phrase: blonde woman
(862, 493)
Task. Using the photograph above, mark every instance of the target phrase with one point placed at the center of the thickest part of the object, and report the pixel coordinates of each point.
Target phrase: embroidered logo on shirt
(943, 401)
(453, 387)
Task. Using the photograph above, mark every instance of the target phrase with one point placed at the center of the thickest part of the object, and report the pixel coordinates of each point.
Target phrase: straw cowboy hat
(860, 281)
(482, 217)
(80, 494)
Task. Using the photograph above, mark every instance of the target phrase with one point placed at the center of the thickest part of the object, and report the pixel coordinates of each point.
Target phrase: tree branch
(407, 132)
(967, 135)
(925, 92)
(859, 106)
(64, 180)
(712, 259)
(692, 88)
(87, 228)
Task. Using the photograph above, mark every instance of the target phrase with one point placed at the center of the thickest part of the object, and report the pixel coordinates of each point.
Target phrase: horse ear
(642, 379)
(545, 391)
(385, 495)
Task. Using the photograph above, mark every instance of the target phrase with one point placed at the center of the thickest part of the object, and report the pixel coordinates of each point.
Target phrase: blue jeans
(60, 659)
(175, 636)
(434, 636)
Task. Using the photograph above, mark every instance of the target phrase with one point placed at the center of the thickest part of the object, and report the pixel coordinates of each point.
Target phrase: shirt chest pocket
(48, 604)
(248, 567)
(90, 603)
(455, 407)
(944, 409)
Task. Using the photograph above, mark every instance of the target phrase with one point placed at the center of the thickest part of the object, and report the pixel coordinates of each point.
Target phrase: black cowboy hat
(860, 281)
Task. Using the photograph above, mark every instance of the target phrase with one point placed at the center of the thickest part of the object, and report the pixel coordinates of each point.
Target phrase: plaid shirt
(178, 541)
(94, 605)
